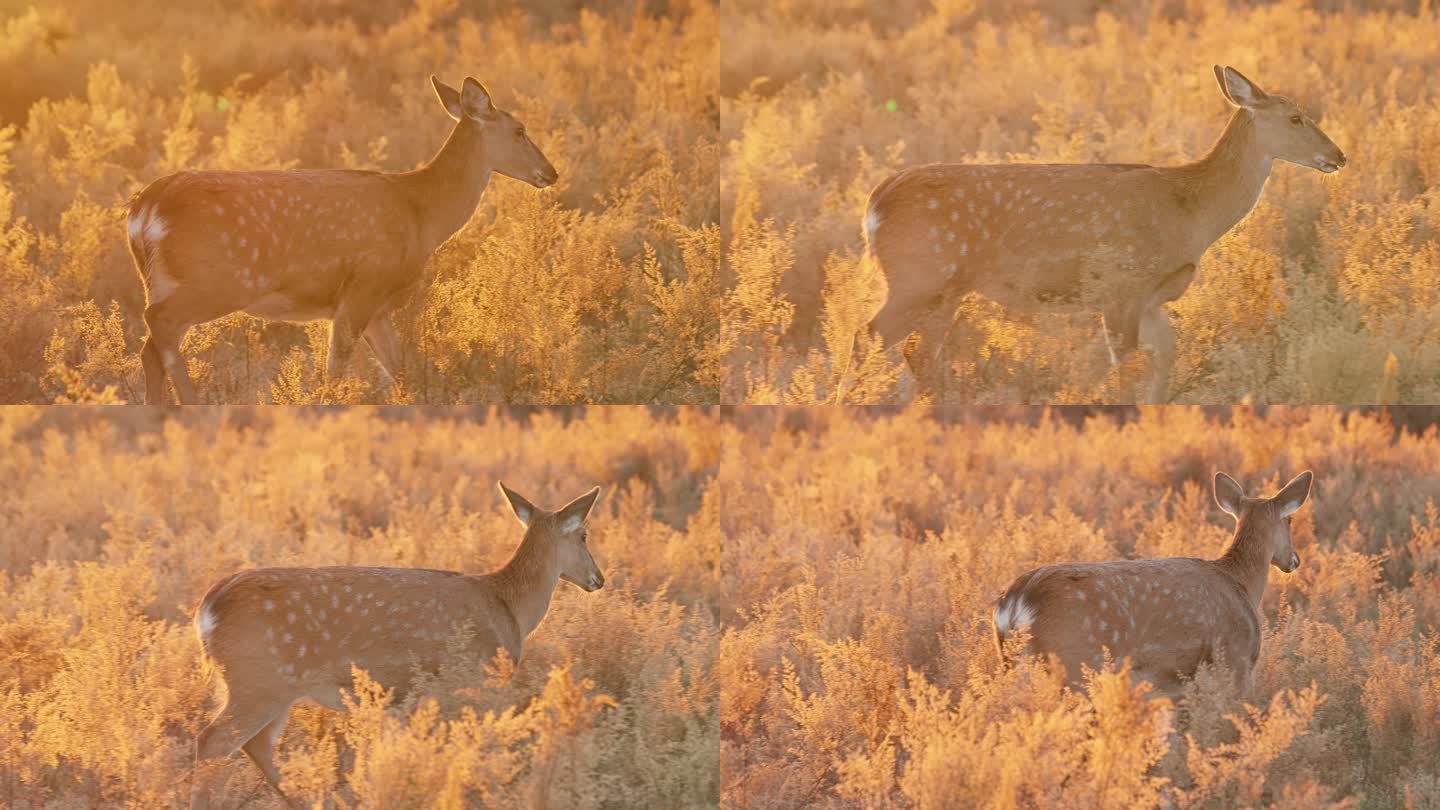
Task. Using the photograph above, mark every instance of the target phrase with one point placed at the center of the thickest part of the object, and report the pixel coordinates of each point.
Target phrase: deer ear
(475, 99)
(523, 509)
(1228, 494)
(449, 97)
(1239, 90)
(1294, 494)
(575, 513)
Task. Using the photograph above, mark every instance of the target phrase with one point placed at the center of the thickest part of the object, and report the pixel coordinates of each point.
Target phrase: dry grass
(115, 523)
(599, 289)
(1302, 302)
(864, 551)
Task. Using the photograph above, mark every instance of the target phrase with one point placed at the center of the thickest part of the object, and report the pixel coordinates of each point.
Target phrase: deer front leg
(351, 319)
(1156, 333)
(384, 341)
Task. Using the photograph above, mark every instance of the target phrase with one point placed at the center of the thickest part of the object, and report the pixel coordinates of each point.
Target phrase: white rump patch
(155, 229)
(205, 622)
(1012, 615)
(872, 224)
(137, 222)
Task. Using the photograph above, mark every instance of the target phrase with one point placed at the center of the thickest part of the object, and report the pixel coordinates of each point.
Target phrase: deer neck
(1223, 185)
(447, 189)
(527, 583)
(1248, 562)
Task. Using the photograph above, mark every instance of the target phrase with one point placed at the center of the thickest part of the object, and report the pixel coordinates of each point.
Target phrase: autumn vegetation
(1326, 292)
(600, 289)
(865, 549)
(117, 522)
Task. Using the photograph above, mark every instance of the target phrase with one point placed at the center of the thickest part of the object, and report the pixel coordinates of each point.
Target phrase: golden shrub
(117, 522)
(1302, 302)
(865, 549)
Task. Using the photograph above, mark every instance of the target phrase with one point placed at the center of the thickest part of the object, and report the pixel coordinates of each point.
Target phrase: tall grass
(116, 524)
(1303, 301)
(596, 290)
(864, 551)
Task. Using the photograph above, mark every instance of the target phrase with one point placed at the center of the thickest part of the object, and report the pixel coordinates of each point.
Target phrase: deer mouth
(1328, 165)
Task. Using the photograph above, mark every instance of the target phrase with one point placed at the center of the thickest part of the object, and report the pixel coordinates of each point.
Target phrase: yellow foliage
(601, 289)
(1302, 302)
(865, 549)
(118, 520)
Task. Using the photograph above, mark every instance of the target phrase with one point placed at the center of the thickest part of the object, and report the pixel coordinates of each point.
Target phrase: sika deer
(280, 635)
(347, 246)
(1166, 615)
(1119, 239)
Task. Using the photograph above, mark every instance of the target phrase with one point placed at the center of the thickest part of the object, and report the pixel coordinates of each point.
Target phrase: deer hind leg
(154, 372)
(167, 331)
(261, 750)
(917, 325)
(926, 353)
(236, 725)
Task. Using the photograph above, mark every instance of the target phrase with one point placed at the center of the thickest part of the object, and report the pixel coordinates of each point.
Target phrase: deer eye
(519, 133)
(1296, 120)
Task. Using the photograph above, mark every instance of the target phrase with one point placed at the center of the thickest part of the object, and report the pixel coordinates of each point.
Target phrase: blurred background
(599, 289)
(118, 520)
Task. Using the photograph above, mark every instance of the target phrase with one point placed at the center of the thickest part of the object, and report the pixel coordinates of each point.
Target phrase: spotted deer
(277, 636)
(1166, 615)
(297, 245)
(1122, 240)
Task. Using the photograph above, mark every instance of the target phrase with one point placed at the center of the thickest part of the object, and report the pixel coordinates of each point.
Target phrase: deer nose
(1340, 158)
(597, 581)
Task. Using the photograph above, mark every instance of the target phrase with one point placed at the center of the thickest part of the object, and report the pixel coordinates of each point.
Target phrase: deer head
(1282, 129)
(502, 139)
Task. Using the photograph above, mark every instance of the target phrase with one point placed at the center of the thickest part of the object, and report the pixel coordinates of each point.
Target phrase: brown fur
(279, 635)
(1118, 239)
(1167, 616)
(343, 245)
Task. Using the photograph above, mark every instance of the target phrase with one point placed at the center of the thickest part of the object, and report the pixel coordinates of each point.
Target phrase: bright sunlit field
(1304, 301)
(597, 289)
(864, 553)
(117, 523)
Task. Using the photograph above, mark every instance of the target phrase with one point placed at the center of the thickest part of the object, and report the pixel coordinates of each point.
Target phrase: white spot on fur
(1012, 614)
